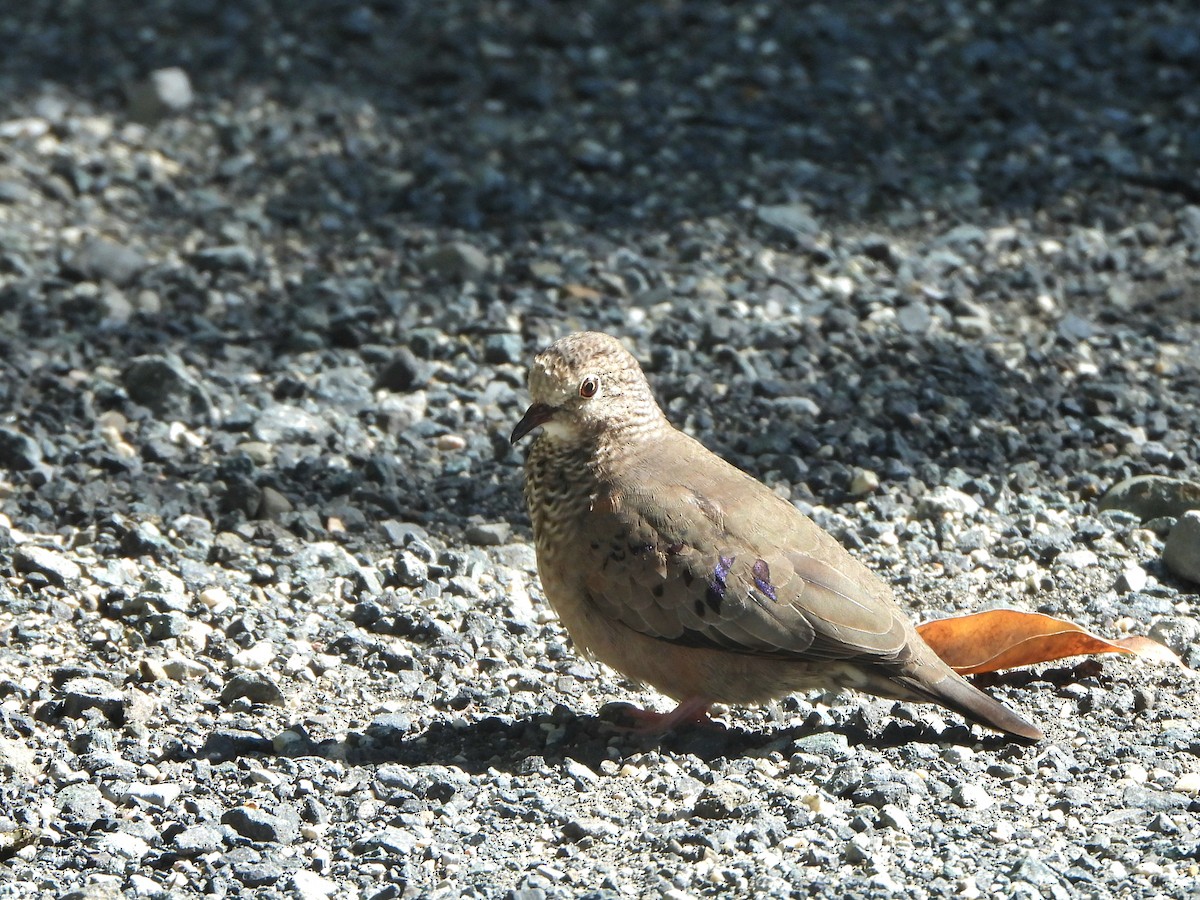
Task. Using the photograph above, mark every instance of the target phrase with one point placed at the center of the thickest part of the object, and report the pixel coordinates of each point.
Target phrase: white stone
(308, 885)
(892, 816)
(125, 845)
(1188, 783)
(1078, 559)
(1131, 580)
(257, 657)
(161, 795)
(946, 501)
(971, 796)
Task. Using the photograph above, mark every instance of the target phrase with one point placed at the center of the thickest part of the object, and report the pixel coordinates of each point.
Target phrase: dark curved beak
(537, 414)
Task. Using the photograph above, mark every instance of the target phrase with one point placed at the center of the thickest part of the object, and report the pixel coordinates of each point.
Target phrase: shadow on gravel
(548, 740)
(900, 406)
(504, 116)
(625, 118)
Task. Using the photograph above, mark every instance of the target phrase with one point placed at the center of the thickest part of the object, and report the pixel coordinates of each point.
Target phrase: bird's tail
(955, 692)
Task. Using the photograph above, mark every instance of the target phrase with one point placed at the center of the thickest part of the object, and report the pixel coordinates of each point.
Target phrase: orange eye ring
(588, 387)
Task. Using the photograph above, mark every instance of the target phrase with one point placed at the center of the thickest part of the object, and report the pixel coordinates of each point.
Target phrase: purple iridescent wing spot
(762, 579)
(716, 584)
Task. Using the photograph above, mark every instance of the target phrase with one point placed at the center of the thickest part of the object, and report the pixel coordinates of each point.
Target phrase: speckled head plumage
(584, 386)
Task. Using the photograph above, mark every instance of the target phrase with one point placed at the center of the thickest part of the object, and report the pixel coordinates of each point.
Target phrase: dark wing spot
(714, 595)
(700, 608)
(688, 578)
(762, 579)
(657, 590)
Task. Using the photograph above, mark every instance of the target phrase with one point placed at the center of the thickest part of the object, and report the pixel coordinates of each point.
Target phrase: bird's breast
(559, 492)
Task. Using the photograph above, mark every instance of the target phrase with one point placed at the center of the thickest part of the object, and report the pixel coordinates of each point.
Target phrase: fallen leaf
(1008, 638)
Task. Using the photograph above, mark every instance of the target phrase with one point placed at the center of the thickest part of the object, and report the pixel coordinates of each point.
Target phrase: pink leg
(690, 711)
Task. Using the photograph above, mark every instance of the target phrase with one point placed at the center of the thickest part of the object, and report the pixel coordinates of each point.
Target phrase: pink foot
(692, 711)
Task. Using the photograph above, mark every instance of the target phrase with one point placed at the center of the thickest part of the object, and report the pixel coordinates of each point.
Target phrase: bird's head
(584, 386)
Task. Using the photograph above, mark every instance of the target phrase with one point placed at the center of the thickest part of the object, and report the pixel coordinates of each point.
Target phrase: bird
(682, 572)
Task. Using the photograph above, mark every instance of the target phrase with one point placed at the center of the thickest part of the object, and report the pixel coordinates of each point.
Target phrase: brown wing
(712, 558)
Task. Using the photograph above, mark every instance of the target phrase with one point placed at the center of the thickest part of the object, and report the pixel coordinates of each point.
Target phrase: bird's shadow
(530, 743)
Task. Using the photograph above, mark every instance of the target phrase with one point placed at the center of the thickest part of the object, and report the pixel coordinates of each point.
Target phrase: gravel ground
(269, 619)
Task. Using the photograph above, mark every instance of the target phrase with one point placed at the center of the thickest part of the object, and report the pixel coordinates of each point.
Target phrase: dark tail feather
(958, 694)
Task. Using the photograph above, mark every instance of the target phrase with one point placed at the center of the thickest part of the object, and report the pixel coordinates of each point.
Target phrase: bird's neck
(602, 454)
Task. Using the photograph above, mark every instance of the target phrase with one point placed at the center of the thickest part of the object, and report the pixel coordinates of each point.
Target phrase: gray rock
(165, 590)
(1180, 633)
(546, 272)
(261, 826)
(231, 743)
(82, 803)
(272, 504)
(592, 155)
(411, 570)
(585, 779)
(232, 258)
(503, 348)
(1189, 224)
(81, 694)
(284, 423)
(56, 567)
(18, 451)
(99, 259)
(863, 481)
(255, 687)
(823, 743)
(488, 534)
(252, 868)
(915, 318)
(389, 840)
(1032, 870)
(1153, 496)
(1181, 553)
(198, 840)
(14, 192)
(724, 800)
(159, 627)
(858, 850)
(456, 261)
(403, 411)
(793, 218)
(1074, 328)
(164, 385)
(403, 373)
(1164, 824)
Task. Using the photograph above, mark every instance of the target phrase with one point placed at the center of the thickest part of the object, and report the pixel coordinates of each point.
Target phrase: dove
(682, 572)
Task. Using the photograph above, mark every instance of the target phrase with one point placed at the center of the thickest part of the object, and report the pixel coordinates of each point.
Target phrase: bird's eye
(588, 387)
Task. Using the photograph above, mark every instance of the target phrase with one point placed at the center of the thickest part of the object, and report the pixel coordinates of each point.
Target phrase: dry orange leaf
(1007, 638)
